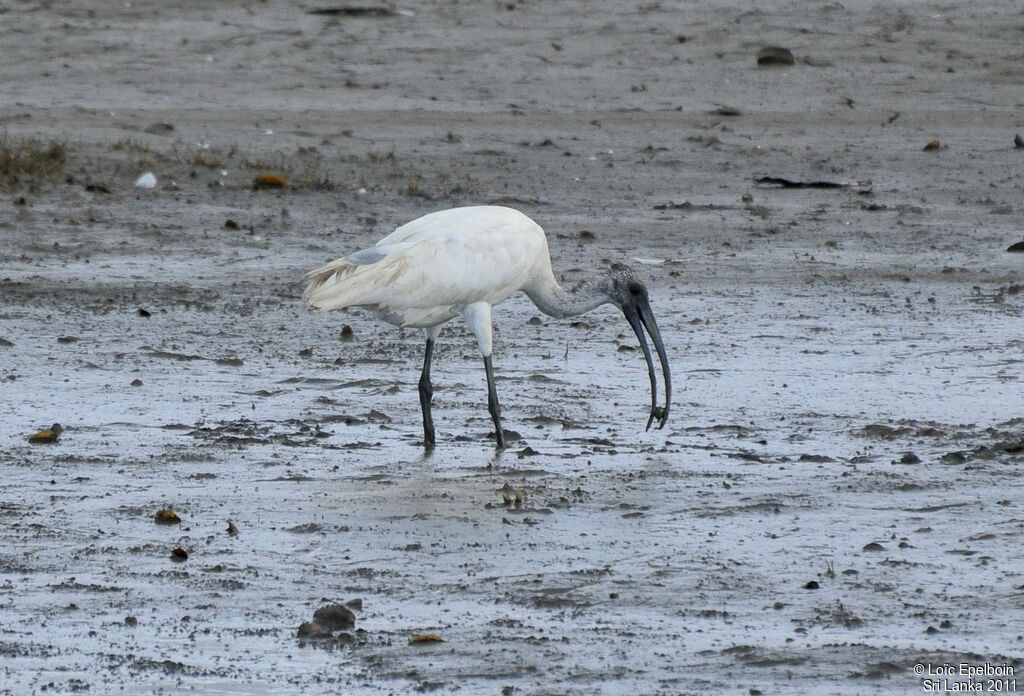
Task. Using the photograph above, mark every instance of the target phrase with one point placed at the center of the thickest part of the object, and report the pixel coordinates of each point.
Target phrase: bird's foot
(658, 414)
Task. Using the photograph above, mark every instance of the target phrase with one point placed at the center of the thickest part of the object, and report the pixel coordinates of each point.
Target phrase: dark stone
(775, 55)
(334, 617)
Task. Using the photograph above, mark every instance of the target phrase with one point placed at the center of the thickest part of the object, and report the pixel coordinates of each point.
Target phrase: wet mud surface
(835, 499)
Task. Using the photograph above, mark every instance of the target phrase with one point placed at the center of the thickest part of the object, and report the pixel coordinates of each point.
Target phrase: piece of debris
(726, 111)
(161, 128)
(147, 181)
(420, 638)
(144, 313)
(179, 555)
(873, 546)
(672, 205)
(166, 516)
(812, 585)
(775, 55)
(269, 181)
(1018, 142)
(230, 224)
(1016, 248)
(791, 183)
(48, 436)
(356, 11)
(378, 416)
(346, 333)
(932, 145)
(136, 382)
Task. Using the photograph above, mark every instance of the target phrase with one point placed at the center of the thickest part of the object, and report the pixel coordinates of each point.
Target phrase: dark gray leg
(426, 392)
(492, 403)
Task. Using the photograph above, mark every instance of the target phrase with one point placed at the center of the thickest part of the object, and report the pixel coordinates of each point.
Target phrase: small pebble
(312, 630)
(269, 181)
(166, 516)
(775, 55)
(160, 129)
(334, 617)
(48, 436)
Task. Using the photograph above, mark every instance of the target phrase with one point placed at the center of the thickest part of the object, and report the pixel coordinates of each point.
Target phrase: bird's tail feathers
(352, 280)
(318, 276)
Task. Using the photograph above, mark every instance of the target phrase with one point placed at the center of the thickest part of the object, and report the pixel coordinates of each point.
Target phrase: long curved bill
(640, 317)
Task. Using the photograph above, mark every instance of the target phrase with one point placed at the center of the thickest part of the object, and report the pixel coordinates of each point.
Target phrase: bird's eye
(635, 289)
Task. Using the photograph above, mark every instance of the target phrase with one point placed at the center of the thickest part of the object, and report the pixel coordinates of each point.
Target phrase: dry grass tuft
(140, 156)
(29, 162)
(303, 170)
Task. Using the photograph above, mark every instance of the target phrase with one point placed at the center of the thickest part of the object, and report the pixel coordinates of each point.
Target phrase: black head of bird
(626, 291)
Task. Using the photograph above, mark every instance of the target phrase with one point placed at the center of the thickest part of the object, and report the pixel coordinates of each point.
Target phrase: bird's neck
(556, 301)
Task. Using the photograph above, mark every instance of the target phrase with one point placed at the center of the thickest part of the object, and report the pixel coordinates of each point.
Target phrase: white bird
(461, 262)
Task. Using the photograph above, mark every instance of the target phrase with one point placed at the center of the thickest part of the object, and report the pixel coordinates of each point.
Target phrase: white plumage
(427, 271)
(461, 262)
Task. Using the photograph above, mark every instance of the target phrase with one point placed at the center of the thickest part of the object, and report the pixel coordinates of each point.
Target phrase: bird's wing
(478, 219)
(452, 257)
(376, 253)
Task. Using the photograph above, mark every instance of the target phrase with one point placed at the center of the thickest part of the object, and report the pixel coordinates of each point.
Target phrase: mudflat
(833, 507)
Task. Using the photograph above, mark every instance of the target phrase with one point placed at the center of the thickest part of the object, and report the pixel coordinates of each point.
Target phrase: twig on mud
(790, 183)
